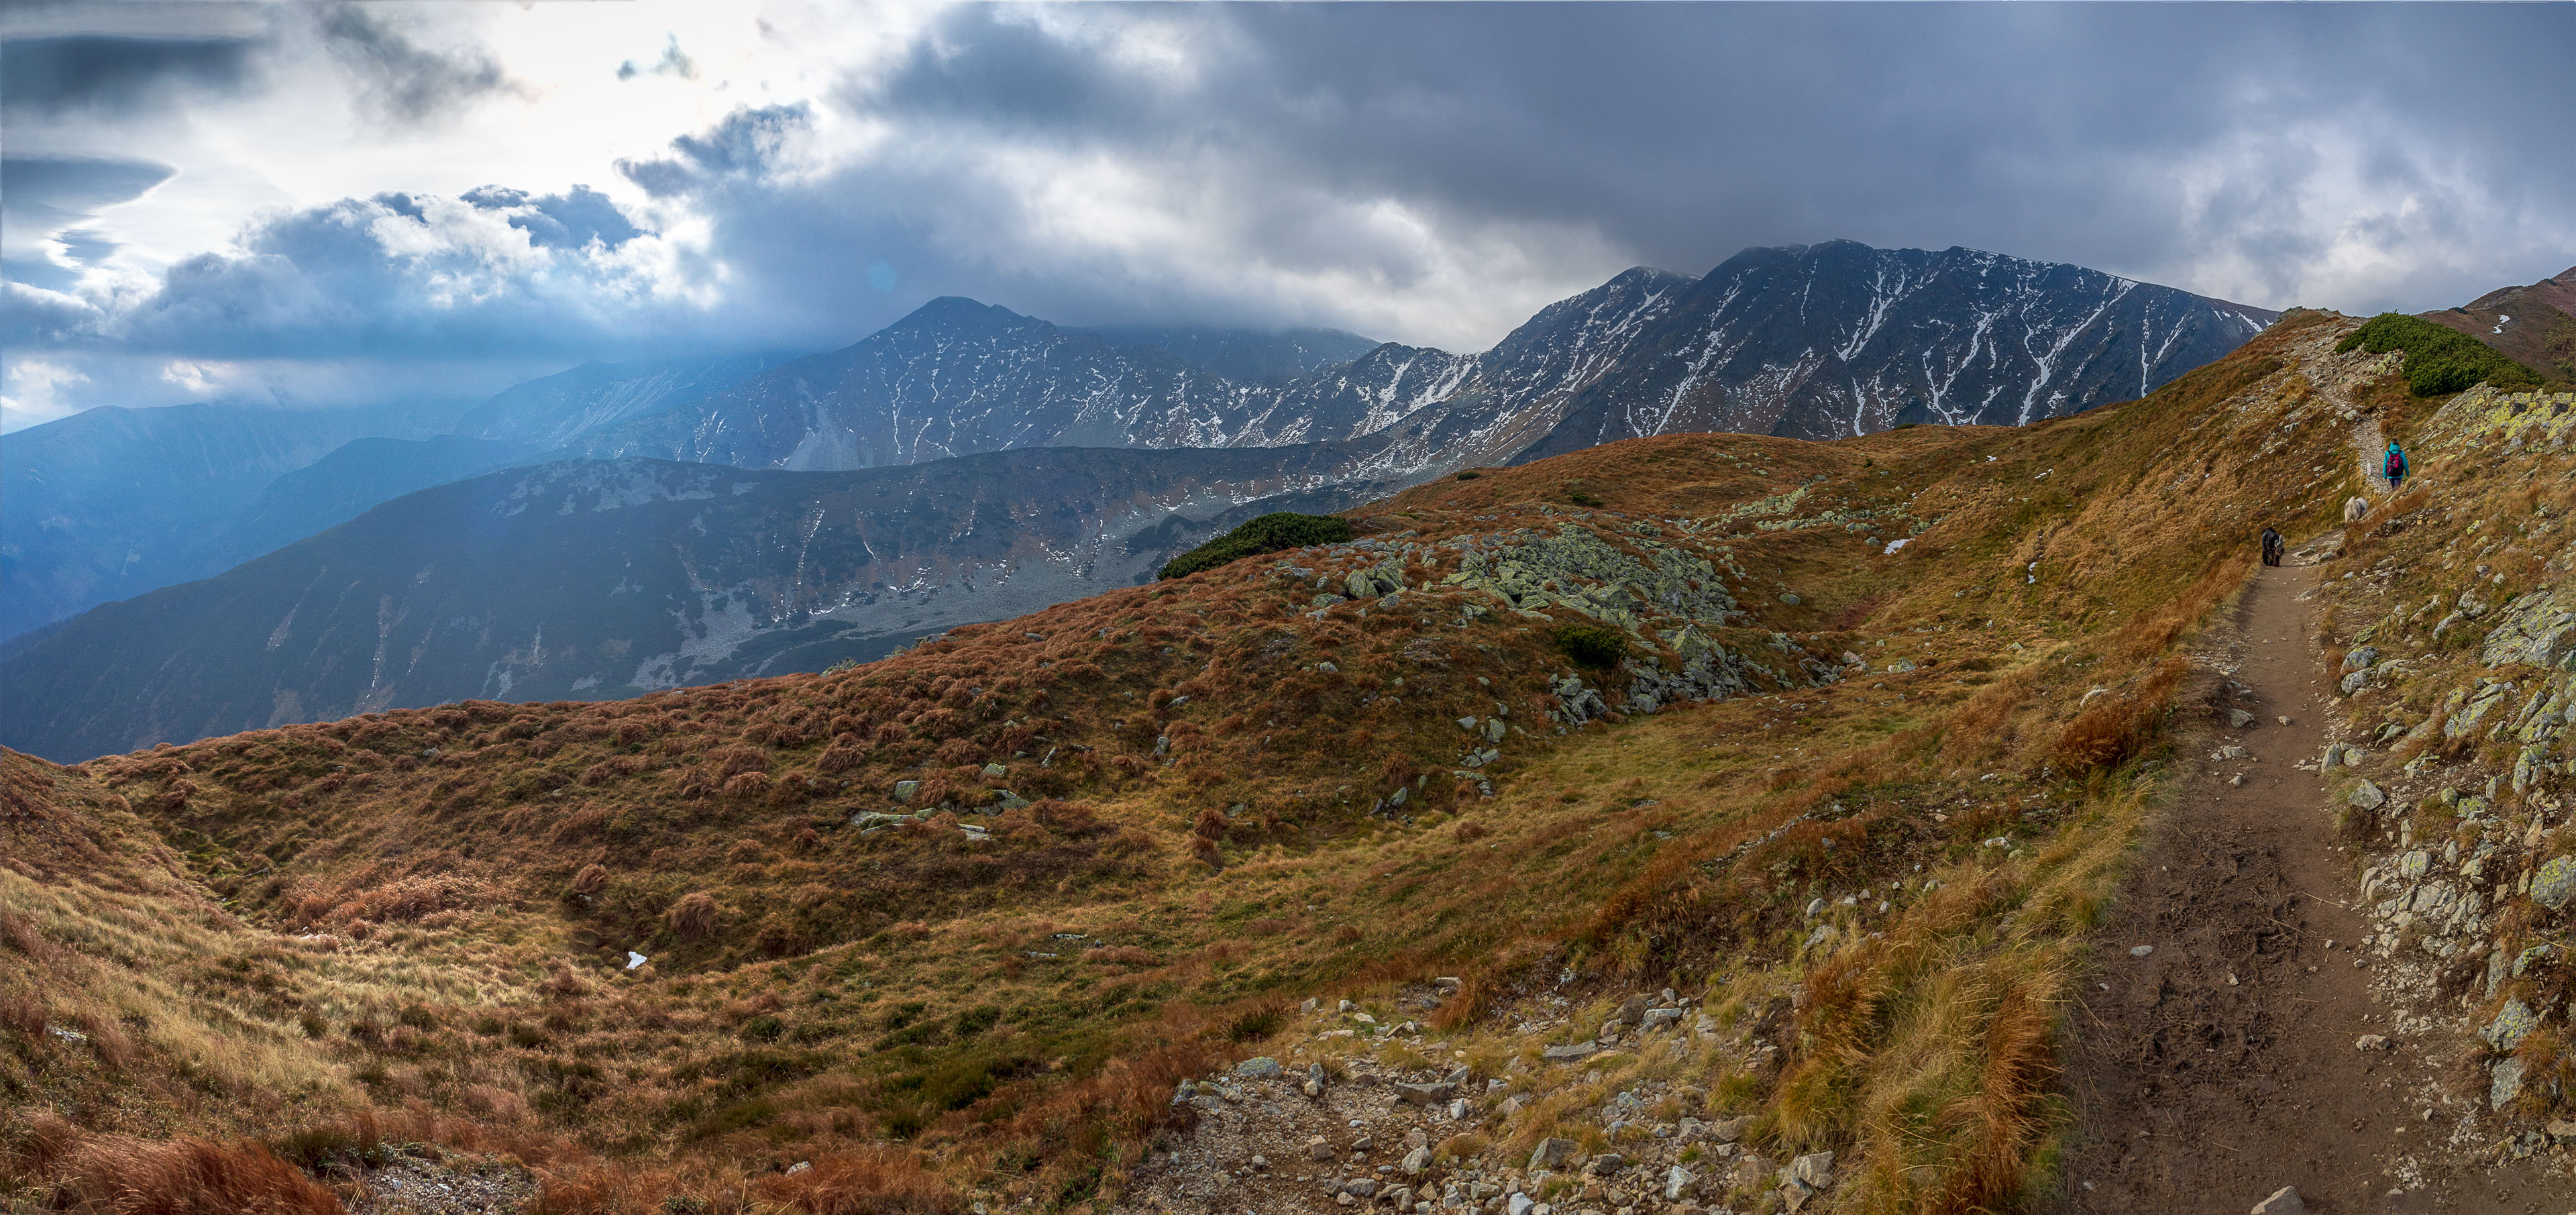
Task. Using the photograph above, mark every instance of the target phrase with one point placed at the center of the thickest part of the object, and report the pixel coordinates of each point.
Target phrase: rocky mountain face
(1812, 341)
(113, 502)
(2534, 325)
(1243, 354)
(604, 579)
(1822, 341)
(958, 377)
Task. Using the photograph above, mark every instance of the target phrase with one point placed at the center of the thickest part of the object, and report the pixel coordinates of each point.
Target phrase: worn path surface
(2370, 447)
(2222, 1065)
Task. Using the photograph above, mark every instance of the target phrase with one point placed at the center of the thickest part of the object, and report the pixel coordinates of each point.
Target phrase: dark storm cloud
(50, 76)
(401, 79)
(63, 189)
(44, 197)
(557, 221)
(739, 146)
(1687, 132)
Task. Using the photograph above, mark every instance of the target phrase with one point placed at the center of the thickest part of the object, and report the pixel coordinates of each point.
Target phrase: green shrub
(1580, 498)
(2439, 361)
(1256, 1022)
(1469, 475)
(1592, 645)
(1265, 534)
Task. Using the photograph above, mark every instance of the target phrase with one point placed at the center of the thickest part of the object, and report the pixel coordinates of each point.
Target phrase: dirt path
(2370, 446)
(2222, 1065)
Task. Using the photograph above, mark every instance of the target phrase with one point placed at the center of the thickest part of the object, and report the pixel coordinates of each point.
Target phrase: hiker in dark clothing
(2271, 547)
(2395, 467)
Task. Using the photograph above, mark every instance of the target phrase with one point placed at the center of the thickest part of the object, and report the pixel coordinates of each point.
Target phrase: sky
(387, 203)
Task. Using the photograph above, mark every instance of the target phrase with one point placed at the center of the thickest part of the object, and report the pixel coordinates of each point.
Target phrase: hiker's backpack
(2396, 465)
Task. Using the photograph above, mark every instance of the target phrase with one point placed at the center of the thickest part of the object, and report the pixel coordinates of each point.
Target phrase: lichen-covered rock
(2533, 630)
(2484, 700)
(2507, 1085)
(2555, 883)
(2528, 769)
(2366, 796)
(1576, 703)
(1656, 591)
(1579, 570)
(2513, 1023)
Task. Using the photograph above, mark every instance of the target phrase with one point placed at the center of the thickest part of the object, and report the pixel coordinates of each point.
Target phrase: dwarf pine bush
(2439, 361)
(1263, 534)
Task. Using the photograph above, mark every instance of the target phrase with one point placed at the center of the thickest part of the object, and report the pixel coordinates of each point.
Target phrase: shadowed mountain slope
(348, 482)
(112, 502)
(544, 412)
(1246, 355)
(601, 579)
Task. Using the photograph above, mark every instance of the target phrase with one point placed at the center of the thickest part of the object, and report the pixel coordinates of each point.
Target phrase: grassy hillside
(953, 924)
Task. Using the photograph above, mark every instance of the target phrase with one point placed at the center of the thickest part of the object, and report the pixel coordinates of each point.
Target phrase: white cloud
(34, 392)
(195, 379)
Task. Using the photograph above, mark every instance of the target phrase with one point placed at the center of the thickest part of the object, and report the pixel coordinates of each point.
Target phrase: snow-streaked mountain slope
(1838, 339)
(1813, 341)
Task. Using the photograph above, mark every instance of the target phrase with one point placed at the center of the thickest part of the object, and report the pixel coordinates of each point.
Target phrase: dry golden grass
(122, 1175)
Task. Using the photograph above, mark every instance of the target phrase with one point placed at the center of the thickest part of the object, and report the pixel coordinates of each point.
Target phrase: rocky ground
(438, 1184)
(1358, 1112)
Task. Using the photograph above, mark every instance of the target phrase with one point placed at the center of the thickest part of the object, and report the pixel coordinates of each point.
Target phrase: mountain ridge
(1636, 356)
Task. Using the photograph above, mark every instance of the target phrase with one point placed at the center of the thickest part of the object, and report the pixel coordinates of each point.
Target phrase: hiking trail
(2217, 1052)
(2370, 445)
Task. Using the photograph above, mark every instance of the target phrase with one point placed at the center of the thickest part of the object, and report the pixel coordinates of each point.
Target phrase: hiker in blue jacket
(2395, 468)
